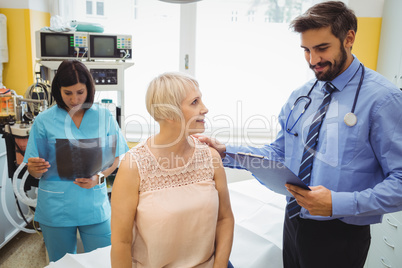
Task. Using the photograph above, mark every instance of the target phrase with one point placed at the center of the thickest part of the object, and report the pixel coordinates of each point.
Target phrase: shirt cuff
(230, 162)
(343, 204)
(229, 148)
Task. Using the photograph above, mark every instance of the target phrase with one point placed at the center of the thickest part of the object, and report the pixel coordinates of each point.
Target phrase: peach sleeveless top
(176, 217)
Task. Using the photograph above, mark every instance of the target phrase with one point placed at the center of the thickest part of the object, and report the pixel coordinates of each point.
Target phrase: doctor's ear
(349, 39)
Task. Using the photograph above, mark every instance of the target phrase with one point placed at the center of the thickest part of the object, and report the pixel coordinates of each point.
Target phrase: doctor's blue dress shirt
(362, 164)
(61, 203)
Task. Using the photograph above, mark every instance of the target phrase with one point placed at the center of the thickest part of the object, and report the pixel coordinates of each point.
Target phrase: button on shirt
(361, 165)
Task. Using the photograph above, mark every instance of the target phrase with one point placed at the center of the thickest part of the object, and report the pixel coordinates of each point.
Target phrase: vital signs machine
(108, 76)
(105, 55)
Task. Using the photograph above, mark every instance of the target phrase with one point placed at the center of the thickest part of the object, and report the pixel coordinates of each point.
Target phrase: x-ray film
(83, 158)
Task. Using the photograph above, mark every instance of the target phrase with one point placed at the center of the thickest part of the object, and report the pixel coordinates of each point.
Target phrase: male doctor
(346, 146)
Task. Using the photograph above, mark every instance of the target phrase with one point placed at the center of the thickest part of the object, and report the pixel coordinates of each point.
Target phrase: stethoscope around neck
(350, 118)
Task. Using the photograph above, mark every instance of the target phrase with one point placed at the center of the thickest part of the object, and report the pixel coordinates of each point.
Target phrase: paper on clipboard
(272, 174)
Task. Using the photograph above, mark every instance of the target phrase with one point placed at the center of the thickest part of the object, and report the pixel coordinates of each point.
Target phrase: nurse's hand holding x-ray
(87, 183)
(37, 166)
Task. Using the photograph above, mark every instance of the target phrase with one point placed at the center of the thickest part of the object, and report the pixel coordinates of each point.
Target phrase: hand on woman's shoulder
(216, 158)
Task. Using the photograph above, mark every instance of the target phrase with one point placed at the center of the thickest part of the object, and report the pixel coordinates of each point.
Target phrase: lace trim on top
(154, 177)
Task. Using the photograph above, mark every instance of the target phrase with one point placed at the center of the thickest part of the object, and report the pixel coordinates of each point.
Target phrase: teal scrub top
(60, 202)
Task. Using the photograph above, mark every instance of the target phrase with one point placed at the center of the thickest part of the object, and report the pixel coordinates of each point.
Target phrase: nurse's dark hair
(335, 14)
(69, 73)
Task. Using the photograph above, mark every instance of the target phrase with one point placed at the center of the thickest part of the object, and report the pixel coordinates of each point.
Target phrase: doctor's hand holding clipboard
(277, 177)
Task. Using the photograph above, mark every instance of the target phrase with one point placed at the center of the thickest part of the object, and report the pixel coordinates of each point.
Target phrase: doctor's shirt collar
(341, 81)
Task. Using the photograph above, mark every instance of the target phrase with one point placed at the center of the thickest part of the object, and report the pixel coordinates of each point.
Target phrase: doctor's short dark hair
(335, 14)
(69, 73)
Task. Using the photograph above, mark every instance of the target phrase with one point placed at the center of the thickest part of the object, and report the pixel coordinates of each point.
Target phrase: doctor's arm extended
(225, 224)
(273, 151)
(124, 206)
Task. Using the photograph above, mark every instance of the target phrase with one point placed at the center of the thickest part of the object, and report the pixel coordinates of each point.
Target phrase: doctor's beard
(334, 69)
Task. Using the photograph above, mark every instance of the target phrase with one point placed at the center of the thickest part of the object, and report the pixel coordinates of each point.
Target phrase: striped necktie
(306, 164)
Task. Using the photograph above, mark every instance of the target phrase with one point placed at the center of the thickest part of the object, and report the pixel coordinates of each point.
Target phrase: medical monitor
(109, 47)
(61, 45)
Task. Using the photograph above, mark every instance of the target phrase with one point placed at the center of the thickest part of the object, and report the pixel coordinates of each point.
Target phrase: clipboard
(270, 173)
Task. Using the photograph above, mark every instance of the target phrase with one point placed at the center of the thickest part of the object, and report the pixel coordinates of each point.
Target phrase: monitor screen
(103, 46)
(56, 45)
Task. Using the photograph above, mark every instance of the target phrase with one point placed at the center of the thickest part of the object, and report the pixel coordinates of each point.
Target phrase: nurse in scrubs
(67, 144)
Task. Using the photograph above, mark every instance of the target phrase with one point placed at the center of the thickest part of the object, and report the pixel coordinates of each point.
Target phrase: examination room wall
(368, 40)
(369, 19)
(24, 17)
(22, 22)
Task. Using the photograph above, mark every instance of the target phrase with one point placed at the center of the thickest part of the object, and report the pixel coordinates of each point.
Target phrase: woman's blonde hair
(165, 94)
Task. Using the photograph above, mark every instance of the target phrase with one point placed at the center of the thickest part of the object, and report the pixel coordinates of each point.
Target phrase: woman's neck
(77, 116)
(171, 142)
(170, 150)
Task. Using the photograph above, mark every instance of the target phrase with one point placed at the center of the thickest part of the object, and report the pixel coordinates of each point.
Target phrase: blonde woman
(170, 201)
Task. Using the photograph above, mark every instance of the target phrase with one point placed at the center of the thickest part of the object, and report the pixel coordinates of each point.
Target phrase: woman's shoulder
(206, 153)
(138, 150)
(198, 143)
(203, 146)
(214, 153)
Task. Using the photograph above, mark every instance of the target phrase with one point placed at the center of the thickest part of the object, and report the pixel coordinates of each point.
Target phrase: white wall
(14, 4)
(39, 5)
(367, 8)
